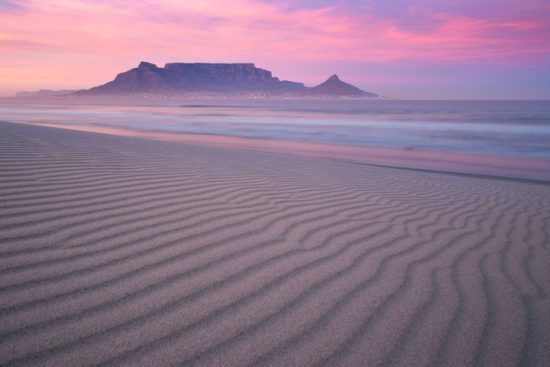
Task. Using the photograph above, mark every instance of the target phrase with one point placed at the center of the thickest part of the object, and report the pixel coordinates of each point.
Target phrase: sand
(126, 251)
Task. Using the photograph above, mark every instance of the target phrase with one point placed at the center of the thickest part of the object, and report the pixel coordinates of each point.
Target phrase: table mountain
(195, 77)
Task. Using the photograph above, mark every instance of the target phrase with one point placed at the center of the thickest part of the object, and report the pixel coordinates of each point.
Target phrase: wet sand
(490, 165)
(120, 250)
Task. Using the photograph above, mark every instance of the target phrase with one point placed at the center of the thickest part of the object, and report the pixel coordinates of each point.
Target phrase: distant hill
(45, 93)
(335, 87)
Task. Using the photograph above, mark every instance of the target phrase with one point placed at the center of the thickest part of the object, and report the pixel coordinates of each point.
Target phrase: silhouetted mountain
(195, 77)
(181, 78)
(335, 87)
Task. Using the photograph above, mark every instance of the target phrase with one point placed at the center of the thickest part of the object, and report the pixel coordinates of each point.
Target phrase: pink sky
(76, 44)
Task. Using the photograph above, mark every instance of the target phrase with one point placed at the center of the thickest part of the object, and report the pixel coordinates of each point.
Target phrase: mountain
(195, 77)
(335, 87)
(232, 79)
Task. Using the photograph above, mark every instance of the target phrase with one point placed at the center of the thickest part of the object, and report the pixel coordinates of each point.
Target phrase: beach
(121, 250)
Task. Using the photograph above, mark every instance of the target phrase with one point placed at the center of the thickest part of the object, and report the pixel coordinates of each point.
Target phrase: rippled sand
(125, 251)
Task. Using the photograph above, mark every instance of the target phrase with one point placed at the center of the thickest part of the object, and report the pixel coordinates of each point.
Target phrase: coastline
(534, 169)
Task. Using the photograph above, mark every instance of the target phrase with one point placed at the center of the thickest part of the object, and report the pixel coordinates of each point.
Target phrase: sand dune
(125, 251)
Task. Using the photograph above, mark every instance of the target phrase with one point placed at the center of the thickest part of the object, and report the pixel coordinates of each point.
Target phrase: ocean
(497, 128)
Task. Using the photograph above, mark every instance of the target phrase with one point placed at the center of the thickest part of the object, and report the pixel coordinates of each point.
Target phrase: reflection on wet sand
(527, 168)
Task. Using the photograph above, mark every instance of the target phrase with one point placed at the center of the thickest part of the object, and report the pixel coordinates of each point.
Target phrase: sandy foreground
(126, 251)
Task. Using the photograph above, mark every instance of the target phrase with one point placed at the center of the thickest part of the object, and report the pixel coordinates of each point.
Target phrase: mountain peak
(147, 65)
(335, 86)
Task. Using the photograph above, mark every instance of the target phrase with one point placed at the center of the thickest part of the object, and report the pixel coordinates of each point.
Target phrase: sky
(420, 49)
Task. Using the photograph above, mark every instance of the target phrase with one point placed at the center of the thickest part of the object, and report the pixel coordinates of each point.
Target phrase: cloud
(10, 5)
(341, 30)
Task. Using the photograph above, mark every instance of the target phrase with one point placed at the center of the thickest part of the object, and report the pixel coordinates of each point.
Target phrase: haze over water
(501, 128)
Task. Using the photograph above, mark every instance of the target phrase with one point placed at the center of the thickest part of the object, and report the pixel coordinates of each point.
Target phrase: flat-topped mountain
(195, 77)
(221, 78)
(334, 86)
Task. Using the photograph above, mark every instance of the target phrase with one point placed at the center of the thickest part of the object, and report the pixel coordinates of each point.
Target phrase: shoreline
(532, 169)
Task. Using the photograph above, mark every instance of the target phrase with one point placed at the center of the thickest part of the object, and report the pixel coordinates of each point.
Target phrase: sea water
(502, 128)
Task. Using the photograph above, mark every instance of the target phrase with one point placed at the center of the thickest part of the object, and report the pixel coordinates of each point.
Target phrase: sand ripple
(121, 251)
